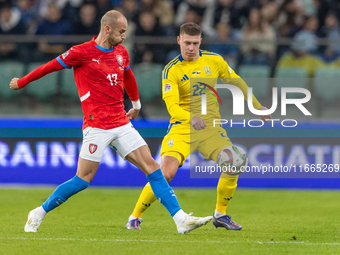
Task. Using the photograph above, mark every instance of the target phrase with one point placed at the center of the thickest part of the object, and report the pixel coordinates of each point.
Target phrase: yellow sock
(225, 190)
(145, 199)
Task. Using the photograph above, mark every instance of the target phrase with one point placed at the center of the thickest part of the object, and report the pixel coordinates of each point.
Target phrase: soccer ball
(232, 160)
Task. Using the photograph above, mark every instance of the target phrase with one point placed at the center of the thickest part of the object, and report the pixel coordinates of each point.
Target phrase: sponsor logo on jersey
(207, 70)
(120, 60)
(167, 87)
(185, 78)
(95, 60)
(64, 55)
(171, 142)
(92, 148)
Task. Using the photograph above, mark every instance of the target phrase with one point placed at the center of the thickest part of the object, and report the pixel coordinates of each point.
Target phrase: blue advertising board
(45, 151)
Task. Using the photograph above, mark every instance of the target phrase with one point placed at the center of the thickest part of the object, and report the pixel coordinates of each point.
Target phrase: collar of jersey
(103, 49)
(181, 58)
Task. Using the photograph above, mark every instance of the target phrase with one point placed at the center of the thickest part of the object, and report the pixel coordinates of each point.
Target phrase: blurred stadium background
(258, 38)
(264, 41)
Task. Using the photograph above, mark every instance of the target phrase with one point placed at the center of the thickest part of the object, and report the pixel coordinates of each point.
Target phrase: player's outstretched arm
(36, 74)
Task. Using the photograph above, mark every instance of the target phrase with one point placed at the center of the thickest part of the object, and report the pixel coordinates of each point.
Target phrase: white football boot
(191, 222)
(33, 222)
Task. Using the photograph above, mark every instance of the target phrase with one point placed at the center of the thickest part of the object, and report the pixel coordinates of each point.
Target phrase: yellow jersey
(183, 84)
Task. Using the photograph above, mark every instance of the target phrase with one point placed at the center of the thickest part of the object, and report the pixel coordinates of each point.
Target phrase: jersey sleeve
(131, 85)
(41, 71)
(175, 111)
(127, 61)
(225, 71)
(227, 74)
(169, 83)
(70, 58)
(170, 94)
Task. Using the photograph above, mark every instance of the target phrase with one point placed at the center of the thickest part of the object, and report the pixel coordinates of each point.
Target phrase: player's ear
(178, 39)
(107, 29)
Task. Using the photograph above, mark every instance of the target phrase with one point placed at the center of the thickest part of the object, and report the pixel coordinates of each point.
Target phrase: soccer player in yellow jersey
(189, 130)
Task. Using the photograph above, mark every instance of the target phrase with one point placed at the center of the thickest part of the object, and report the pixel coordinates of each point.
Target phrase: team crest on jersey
(64, 55)
(167, 87)
(207, 70)
(120, 60)
(92, 148)
(171, 142)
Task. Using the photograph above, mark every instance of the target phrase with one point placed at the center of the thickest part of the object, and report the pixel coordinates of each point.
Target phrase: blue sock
(63, 192)
(163, 192)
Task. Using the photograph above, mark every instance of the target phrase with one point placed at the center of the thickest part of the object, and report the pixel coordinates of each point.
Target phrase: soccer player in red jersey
(102, 71)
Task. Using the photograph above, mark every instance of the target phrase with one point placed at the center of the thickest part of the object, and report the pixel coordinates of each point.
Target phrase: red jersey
(99, 76)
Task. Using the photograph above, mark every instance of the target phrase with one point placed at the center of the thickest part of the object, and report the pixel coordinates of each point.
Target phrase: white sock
(40, 211)
(218, 214)
(179, 217)
(132, 217)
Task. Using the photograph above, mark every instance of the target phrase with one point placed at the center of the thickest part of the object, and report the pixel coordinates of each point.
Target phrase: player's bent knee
(233, 160)
(87, 169)
(88, 177)
(154, 165)
(150, 162)
(149, 166)
(168, 176)
(169, 167)
(169, 171)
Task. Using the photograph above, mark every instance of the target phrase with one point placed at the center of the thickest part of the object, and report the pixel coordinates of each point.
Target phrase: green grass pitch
(93, 221)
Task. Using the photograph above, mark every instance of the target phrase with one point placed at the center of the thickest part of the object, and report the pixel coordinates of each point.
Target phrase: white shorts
(123, 140)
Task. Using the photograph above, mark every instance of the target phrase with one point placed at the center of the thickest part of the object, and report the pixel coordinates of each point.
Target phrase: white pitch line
(108, 240)
(160, 241)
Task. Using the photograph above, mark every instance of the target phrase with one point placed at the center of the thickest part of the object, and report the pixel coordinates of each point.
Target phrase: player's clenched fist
(14, 84)
(267, 117)
(198, 123)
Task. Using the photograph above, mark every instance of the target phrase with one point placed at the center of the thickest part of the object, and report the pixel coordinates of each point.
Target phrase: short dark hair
(190, 29)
